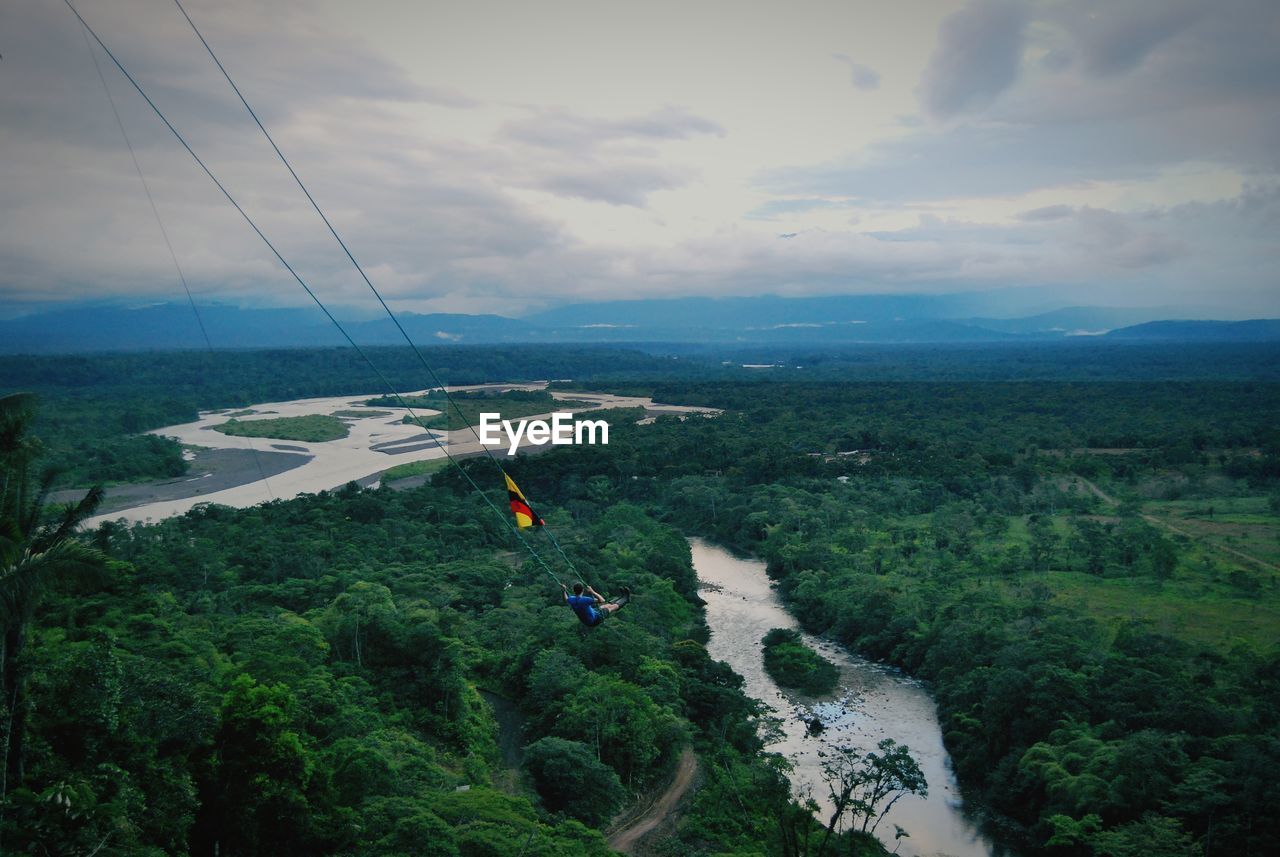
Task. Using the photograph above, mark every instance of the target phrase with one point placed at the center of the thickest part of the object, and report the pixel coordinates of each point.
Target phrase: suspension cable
(155, 211)
(360, 269)
(254, 226)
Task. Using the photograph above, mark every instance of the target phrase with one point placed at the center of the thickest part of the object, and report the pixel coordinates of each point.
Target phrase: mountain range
(838, 320)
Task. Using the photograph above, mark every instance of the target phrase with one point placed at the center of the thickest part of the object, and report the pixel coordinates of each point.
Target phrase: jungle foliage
(1077, 567)
(1105, 664)
(314, 428)
(793, 664)
(302, 678)
(93, 407)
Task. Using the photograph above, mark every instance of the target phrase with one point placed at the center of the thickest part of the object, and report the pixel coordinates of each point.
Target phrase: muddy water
(870, 704)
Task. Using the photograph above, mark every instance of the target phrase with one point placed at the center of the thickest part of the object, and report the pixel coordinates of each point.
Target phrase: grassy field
(314, 428)
(414, 468)
(1225, 589)
(1192, 607)
(1213, 600)
(1245, 525)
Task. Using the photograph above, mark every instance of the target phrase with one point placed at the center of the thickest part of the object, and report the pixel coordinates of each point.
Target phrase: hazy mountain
(877, 317)
(160, 326)
(1080, 320)
(1254, 330)
(766, 312)
(439, 329)
(821, 321)
(175, 326)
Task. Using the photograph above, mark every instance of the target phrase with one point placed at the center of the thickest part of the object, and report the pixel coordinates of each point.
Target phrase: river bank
(871, 702)
(242, 471)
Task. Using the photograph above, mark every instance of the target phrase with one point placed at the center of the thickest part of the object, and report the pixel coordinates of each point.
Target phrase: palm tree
(37, 552)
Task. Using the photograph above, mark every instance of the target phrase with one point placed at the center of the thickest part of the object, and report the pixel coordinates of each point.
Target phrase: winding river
(871, 703)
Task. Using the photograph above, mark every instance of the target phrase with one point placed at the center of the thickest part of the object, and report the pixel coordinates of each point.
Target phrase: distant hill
(754, 313)
(829, 321)
(439, 329)
(1079, 320)
(1254, 330)
(175, 327)
(849, 318)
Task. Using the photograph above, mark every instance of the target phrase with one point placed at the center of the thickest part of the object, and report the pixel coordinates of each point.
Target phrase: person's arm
(596, 595)
(566, 593)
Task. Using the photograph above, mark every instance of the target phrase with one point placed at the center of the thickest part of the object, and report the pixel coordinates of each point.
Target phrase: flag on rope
(525, 516)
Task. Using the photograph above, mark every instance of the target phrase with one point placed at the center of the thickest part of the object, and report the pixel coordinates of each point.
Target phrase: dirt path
(1236, 553)
(1160, 522)
(1097, 492)
(625, 840)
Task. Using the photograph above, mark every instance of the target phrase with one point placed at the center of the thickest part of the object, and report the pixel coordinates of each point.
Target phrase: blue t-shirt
(585, 607)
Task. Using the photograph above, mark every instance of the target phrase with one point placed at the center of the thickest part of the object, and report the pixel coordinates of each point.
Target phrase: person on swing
(590, 606)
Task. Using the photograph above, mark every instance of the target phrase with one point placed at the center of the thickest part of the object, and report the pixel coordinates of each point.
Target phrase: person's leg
(614, 606)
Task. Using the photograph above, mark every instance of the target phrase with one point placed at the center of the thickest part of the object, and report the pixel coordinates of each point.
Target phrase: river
(872, 702)
(241, 472)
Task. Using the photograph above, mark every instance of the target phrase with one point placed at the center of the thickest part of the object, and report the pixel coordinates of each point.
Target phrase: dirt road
(1163, 524)
(625, 839)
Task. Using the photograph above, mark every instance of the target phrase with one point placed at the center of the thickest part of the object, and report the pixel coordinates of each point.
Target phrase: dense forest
(1057, 559)
(98, 406)
(1083, 566)
(306, 677)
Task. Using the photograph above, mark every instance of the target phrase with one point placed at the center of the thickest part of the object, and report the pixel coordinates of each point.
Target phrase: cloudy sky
(509, 156)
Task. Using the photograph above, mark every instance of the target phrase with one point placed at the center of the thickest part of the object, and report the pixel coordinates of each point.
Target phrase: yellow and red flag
(525, 516)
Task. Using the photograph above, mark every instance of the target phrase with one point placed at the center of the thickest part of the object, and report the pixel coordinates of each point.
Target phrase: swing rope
(254, 226)
(155, 211)
(360, 270)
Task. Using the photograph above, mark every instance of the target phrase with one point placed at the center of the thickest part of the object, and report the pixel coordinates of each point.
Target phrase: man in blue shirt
(590, 606)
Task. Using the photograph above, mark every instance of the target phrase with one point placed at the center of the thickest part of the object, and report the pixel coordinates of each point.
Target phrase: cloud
(863, 77)
(977, 57)
(455, 202)
(601, 159)
(616, 184)
(76, 224)
(294, 59)
(1198, 90)
(1117, 240)
(1048, 212)
(783, 207)
(565, 131)
(967, 161)
(1066, 245)
(430, 217)
(1115, 36)
(1260, 203)
(609, 160)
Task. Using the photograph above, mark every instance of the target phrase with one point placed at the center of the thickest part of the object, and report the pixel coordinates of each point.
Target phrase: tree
(1164, 558)
(256, 799)
(34, 557)
(1091, 544)
(793, 664)
(1043, 542)
(364, 609)
(398, 826)
(865, 786)
(570, 779)
(1152, 836)
(621, 724)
